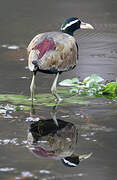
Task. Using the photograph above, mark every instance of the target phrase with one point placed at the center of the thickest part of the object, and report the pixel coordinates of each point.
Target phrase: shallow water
(96, 122)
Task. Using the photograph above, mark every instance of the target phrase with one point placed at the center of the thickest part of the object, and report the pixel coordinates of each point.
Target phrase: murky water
(95, 123)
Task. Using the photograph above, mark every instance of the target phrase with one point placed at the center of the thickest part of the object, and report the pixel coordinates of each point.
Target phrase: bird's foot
(58, 98)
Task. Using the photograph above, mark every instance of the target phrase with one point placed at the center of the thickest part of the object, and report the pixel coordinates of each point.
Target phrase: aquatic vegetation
(9, 108)
(91, 86)
(110, 89)
(22, 102)
(72, 92)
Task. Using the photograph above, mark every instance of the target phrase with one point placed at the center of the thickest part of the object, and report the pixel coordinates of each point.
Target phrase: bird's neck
(68, 31)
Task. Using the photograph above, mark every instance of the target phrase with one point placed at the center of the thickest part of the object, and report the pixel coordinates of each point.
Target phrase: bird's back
(53, 52)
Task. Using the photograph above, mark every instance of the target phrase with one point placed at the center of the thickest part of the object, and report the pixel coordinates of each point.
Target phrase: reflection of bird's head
(71, 161)
(75, 159)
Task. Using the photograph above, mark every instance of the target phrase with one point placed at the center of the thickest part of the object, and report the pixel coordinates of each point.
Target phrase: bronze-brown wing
(53, 50)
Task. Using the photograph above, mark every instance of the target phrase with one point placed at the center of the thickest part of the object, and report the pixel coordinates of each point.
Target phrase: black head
(71, 161)
(72, 24)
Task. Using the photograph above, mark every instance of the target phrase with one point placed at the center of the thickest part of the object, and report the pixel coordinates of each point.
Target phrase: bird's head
(75, 159)
(72, 24)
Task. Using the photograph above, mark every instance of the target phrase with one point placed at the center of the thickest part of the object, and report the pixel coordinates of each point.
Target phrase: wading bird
(55, 52)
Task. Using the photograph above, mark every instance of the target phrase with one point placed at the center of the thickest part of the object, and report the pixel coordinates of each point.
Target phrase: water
(96, 123)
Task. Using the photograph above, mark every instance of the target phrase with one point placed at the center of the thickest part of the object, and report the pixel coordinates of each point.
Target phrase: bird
(55, 52)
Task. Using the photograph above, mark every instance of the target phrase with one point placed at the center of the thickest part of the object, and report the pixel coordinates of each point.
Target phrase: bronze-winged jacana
(55, 52)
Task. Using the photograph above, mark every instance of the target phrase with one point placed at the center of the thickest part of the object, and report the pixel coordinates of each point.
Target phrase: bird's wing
(53, 50)
(36, 40)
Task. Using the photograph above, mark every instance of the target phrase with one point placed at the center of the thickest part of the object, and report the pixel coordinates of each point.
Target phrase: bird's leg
(32, 86)
(53, 88)
(54, 112)
(32, 110)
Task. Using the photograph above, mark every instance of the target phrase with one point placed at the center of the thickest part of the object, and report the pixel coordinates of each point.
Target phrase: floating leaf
(93, 77)
(67, 82)
(75, 80)
(96, 78)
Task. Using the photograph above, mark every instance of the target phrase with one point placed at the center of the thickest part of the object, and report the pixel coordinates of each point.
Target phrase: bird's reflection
(55, 139)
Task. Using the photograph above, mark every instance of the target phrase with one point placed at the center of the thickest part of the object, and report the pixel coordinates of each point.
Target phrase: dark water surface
(96, 123)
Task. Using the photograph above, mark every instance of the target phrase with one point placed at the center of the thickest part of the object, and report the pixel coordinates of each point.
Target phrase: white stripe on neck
(69, 163)
(69, 24)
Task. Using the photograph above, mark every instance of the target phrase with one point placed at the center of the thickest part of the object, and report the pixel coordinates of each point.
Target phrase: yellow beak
(86, 26)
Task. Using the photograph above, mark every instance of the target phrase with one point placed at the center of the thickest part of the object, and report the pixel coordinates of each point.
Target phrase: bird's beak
(85, 156)
(86, 26)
